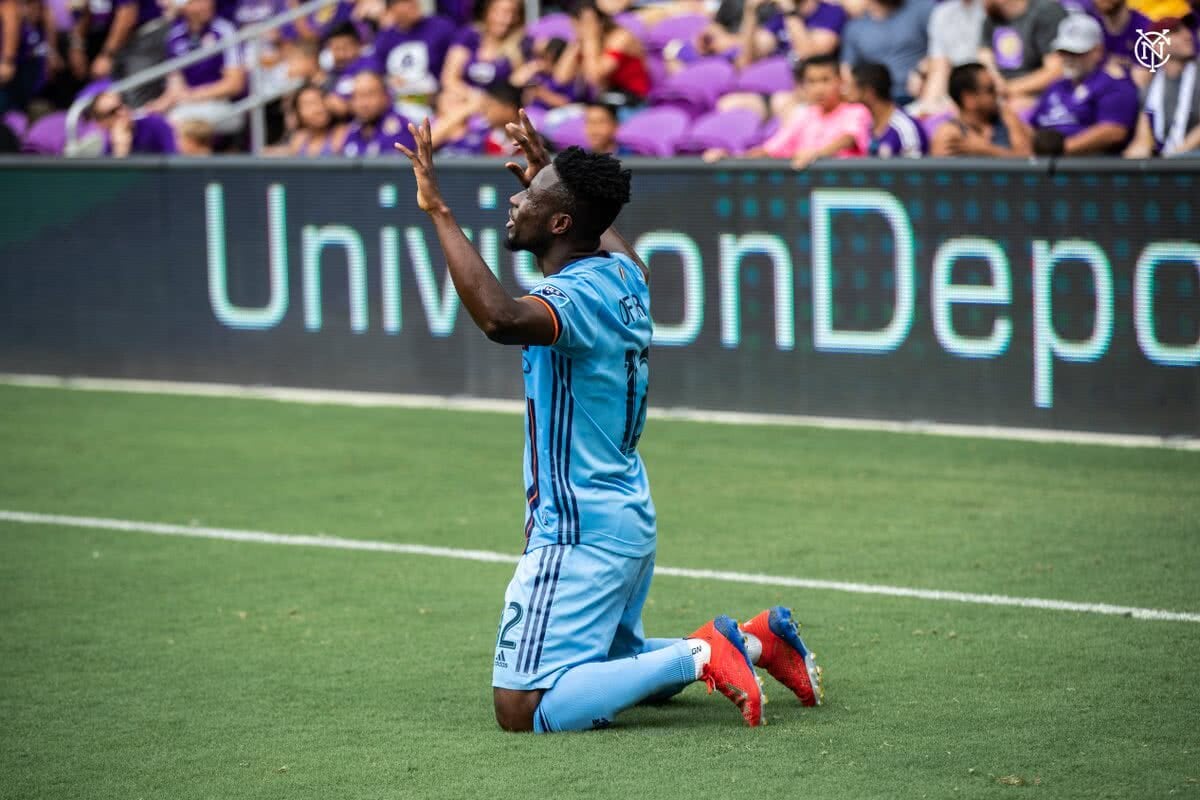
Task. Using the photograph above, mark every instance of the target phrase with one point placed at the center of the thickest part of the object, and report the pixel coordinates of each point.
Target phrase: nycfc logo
(1150, 49)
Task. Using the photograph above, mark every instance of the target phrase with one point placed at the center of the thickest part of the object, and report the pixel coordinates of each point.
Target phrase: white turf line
(262, 537)
(463, 403)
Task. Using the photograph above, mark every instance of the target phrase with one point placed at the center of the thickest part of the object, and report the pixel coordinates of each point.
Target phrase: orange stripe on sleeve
(553, 315)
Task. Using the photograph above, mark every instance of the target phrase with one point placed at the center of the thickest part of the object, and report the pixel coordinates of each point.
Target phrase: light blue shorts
(568, 605)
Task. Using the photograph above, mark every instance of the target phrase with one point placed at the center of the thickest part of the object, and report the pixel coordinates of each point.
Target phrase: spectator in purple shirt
(206, 89)
(550, 78)
(801, 29)
(1093, 109)
(1120, 25)
(375, 128)
(411, 48)
(483, 133)
(894, 134)
(130, 134)
(485, 52)
(344, 58)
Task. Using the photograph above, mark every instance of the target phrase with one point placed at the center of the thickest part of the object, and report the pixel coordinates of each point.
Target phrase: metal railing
(253, 102)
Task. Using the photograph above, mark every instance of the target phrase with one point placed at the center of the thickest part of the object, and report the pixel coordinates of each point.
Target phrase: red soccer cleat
(729, 669)
(785, 656)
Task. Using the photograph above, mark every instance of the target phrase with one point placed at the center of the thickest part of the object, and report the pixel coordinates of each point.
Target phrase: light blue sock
(590, 695)
(658, 698)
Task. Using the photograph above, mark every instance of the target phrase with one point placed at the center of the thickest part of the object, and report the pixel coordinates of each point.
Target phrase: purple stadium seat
(684, 28)
(552, 26)
(537, 115)
(47, 136)
(696, 87)
(735, 130)
(17, 122)
(632, 23)
(766, 77)
(654, 132)
(657, 69)
(569, 132)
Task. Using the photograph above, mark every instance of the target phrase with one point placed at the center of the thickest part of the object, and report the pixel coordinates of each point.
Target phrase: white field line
(262, 537)
(463, 403)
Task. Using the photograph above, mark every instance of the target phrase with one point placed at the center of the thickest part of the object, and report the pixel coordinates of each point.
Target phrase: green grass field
(134, 665)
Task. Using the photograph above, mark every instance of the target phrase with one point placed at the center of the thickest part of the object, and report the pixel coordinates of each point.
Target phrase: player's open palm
(529, 142)
(429, 196)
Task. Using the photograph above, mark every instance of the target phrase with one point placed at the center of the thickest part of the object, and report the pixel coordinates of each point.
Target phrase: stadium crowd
(788, 79)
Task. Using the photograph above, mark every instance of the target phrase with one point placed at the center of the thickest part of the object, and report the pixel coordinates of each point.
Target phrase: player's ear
(560, 223)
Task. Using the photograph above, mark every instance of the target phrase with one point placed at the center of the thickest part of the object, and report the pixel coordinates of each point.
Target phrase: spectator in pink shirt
(826, 127)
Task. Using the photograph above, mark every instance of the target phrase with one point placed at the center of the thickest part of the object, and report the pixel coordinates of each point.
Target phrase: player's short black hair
(607, 108)
(824, 60)
(595, 188)
(873, 76)
(963, 78)
(504, 92)
(345, 28)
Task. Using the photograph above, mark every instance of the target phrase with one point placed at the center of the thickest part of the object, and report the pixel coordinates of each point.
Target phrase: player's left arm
(501, 317)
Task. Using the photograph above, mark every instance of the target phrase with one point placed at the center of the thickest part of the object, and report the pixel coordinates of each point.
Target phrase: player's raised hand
(528, 142)
(429, 196)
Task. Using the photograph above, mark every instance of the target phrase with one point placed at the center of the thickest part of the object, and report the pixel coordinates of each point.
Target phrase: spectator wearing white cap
(1093, 109)
(1169, 124)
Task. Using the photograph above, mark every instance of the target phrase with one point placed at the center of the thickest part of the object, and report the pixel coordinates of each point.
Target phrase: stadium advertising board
(973, 293)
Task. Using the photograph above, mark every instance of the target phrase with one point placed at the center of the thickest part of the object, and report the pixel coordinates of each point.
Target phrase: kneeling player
(571, 651)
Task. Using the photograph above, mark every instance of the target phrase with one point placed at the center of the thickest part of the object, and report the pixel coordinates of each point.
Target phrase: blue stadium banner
(1056, 296)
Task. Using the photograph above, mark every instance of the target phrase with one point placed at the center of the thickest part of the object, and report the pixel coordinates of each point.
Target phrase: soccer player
(571, 652)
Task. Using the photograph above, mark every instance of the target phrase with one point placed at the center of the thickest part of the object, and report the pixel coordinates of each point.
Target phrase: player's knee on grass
(515, 708)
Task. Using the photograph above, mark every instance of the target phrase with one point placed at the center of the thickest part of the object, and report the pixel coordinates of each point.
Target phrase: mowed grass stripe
(338, 543)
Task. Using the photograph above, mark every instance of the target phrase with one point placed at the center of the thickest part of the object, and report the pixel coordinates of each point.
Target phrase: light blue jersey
(585, 409)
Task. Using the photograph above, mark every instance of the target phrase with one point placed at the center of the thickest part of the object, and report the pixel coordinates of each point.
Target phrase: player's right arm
(501, 317)
(529, 142)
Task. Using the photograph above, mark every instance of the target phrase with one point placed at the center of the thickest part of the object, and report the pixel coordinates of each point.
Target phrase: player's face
(533, 214)
(1108, 6)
